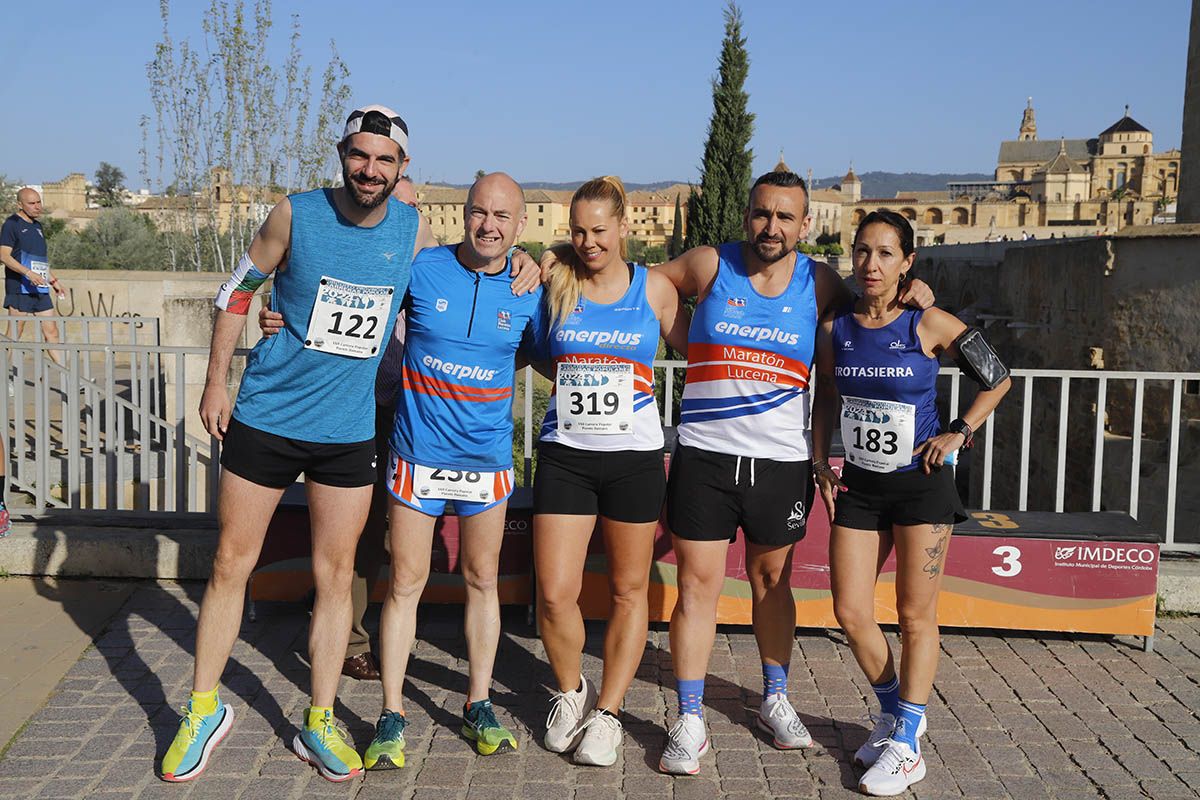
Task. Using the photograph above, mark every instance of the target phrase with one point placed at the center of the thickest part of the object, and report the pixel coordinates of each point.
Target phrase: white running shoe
(601, 742)
(881, 734)
(564, 724)
(896, 769)
(686, 742)
(778, 718)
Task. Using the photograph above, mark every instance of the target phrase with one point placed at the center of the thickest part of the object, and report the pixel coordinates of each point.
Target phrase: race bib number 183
(878, 434)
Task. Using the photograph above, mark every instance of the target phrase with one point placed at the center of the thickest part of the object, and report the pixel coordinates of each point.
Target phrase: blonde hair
(565, 284)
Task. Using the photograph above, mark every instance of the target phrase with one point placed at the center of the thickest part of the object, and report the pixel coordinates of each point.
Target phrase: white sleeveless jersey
(749, 358)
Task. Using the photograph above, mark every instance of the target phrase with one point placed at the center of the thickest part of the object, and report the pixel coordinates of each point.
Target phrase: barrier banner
(1087, 573)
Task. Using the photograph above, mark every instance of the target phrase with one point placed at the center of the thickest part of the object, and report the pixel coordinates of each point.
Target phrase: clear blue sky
(556, 91)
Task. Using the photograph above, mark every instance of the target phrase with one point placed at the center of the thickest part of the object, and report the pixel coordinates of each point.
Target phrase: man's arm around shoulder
(693, 272)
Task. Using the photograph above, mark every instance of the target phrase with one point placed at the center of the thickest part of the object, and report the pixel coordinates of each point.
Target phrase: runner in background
(881, 358)
(27, 277)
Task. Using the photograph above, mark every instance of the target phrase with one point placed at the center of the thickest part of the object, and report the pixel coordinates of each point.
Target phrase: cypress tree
(715, 213)
(676, 245)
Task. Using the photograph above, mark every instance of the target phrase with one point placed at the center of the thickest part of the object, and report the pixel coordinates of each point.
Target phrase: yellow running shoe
(322, 743)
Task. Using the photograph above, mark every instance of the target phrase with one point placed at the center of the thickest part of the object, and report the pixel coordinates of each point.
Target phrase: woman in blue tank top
(877, 366)
(599, 459)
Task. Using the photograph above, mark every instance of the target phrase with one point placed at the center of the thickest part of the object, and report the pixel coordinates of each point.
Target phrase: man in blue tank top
(341, 258)
(747, 465)
(451, 443)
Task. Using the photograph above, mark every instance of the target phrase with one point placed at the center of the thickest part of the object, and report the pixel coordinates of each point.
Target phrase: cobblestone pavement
(1013, 716)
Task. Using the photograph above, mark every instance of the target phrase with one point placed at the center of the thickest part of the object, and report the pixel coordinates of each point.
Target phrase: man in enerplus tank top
(743, 457)
(376, 240)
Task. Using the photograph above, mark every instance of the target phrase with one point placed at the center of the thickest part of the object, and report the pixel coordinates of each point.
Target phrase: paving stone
(1021, 716)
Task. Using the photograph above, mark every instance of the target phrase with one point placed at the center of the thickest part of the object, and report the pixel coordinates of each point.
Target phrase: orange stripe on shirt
(451, 394)
(741, 372)
(482, 391)
(749, 356)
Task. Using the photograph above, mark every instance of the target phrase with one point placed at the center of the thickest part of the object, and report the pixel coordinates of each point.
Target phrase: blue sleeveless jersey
(463, 329)
(624, 332)
(888, 364)
(300, 393)
(749, 358)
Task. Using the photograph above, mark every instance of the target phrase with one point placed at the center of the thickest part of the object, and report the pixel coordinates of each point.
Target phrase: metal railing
(109, 428)
(1055, 444)
(1085, 422)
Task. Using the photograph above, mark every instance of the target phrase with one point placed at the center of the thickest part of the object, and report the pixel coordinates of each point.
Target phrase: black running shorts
(878, 500)
(710, 495)
(276, 461)
(622, 485)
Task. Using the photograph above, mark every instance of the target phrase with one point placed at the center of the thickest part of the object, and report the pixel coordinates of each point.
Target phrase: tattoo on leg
(937, 553)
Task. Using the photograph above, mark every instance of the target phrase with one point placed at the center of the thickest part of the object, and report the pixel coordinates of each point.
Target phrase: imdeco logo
(1102, 556)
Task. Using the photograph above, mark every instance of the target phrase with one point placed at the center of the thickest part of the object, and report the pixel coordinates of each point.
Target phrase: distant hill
(886, 184)
(875, 184)
(570, 186)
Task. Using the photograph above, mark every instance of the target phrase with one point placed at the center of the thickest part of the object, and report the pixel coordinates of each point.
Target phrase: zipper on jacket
(474, 300)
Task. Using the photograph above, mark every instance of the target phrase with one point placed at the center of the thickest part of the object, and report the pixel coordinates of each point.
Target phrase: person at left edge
(27, 277)
(340, 257)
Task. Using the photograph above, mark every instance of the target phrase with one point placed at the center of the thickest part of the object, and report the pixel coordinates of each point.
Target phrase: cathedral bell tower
(1028, 124)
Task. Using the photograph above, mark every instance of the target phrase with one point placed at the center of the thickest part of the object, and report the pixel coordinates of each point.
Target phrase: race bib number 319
(594, 398)
(348, 319)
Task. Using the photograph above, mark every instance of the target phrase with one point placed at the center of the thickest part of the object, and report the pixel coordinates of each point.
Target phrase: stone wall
(1127, 302)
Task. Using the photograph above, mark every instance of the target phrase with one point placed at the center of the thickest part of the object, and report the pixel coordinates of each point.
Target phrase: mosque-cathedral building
(1041, 188)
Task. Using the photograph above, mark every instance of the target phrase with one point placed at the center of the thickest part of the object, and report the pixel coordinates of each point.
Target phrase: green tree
(479, 174)
(221, 92)
(655, 254)
(535, 249)
(715, 212)
(635, 250)
(109, 186)
(119, 238)
(8, 195)
(52, 226)
(675, 248)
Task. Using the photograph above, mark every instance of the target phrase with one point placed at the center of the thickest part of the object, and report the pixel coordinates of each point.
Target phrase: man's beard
(766, 252)
(361, 200)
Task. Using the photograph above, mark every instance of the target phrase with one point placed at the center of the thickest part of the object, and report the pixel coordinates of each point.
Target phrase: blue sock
(774, 679)
(691, 696)
(888, 694)
(907, 720)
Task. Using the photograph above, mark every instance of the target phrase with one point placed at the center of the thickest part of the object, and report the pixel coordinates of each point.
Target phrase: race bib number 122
(348, 319)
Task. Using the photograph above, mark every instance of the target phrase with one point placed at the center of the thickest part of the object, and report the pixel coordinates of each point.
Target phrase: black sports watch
(960, 426)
